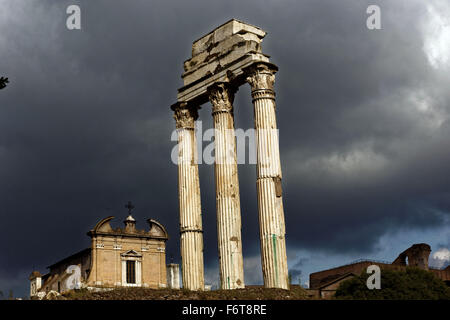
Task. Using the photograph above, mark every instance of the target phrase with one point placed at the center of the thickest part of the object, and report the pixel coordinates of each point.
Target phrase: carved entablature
(228, 49)
(221, 96)
(185, 116)
(261, 76)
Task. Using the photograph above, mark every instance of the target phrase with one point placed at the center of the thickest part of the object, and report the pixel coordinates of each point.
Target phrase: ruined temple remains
(325, 283)
(416, 256)
(221, 62)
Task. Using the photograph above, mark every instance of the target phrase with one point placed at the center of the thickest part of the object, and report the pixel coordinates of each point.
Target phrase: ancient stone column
(191, 241)
(227, 188)
(261, 78)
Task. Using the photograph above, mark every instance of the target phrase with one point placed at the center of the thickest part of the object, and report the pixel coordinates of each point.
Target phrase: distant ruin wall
(415, 256)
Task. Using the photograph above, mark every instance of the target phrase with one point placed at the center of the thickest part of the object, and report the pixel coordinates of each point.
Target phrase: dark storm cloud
(365, 159)
(85, 123)
(295, 271)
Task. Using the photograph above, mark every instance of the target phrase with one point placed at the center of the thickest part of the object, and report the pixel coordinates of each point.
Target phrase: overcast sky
(85, 126)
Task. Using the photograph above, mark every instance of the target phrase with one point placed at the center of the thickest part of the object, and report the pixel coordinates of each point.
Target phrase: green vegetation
(408, 284)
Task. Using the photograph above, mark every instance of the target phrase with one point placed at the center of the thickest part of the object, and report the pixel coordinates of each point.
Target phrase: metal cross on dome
(129, 206)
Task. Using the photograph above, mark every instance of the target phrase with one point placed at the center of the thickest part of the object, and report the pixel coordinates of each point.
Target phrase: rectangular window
(131, 272)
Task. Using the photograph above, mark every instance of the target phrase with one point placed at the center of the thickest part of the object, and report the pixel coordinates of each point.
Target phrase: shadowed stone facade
(112, 249)
(118, 257)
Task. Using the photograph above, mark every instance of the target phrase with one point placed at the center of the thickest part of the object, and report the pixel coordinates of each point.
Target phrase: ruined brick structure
(416, 256)
(327, 281)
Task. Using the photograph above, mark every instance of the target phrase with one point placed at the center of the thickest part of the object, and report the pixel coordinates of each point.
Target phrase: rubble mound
(249, 293)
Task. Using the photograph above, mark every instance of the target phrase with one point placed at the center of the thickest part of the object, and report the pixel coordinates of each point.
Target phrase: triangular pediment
(131, 253)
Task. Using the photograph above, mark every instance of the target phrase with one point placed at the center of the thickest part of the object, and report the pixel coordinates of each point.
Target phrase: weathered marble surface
(221, 61)
(220, 52)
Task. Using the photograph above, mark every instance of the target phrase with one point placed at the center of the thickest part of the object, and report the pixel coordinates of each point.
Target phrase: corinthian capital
(221, 96)
(185, 116)
(261, 76)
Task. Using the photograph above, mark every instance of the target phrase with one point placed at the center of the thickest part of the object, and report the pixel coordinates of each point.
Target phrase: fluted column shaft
(261, 78)
(227, 189)
(191, 241)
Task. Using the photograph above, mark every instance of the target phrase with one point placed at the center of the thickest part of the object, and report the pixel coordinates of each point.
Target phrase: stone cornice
(197, 91)
(121, 233)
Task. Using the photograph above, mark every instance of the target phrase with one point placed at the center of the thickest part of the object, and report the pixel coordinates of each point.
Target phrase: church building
(120, 257)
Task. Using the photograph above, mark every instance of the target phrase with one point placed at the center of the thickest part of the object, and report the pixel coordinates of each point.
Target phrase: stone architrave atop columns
(261, 77)
(191, 231)
(231, 263)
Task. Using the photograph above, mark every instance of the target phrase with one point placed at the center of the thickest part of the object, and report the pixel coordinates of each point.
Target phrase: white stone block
(173, 276)
(224, 31)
